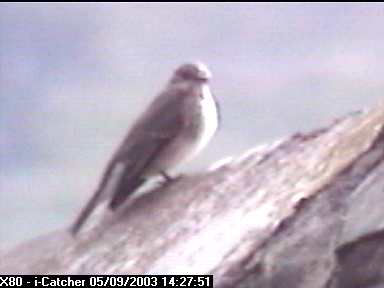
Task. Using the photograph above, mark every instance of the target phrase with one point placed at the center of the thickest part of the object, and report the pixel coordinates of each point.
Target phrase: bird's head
(192, 72)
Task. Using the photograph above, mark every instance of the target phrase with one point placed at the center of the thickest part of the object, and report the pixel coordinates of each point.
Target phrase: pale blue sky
(74, 76)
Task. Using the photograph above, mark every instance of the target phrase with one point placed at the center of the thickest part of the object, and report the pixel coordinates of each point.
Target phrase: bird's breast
(201, 118)
(202, 123)
(207, 118)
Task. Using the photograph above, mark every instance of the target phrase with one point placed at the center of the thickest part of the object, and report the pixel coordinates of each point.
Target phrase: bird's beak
(204, 75)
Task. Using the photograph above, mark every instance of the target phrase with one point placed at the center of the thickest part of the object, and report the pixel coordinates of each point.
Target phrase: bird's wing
(160, 124)
(163, 120)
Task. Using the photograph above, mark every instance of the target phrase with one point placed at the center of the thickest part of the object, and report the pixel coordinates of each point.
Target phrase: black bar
(201, 281)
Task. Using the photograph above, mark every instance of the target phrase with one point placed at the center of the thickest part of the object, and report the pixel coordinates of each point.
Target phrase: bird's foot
(168, 178)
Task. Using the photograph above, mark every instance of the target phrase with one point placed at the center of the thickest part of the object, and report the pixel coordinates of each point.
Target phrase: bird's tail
(126, 187)
(92, 202)
(85, 212)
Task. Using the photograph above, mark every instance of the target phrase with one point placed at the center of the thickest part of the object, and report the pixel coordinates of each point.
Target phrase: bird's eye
(187, 74)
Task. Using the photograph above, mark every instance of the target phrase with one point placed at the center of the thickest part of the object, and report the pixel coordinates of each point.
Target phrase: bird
(177, 125)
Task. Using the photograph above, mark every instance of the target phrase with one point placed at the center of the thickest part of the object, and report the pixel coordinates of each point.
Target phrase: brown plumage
(176, 125)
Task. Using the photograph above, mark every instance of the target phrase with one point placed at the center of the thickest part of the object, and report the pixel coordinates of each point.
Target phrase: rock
(306, 211)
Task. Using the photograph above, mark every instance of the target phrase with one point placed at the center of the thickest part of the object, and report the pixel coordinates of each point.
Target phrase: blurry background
(74, 77)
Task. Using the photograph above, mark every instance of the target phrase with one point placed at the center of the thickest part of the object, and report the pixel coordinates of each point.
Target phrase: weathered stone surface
(304, 212)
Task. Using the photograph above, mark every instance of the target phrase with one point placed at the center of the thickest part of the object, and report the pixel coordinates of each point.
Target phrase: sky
(74, 77)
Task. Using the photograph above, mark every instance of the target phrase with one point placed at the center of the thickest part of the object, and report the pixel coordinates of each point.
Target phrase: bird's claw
(168, 178)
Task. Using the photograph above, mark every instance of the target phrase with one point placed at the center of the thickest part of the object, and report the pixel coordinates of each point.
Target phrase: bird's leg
(166, 176)
(169, 180)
